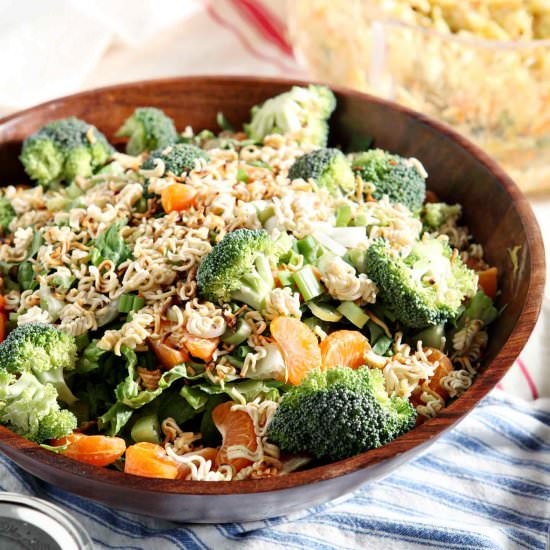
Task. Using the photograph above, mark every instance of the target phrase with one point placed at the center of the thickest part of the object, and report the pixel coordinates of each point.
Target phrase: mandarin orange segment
(177, 196)
(299, 347)
(488, 281)
(345, 348)
(150, 460)
(443, 369)
(98, 450)
(168, 356)
(237, 430)
(202, 348)
(3, 323)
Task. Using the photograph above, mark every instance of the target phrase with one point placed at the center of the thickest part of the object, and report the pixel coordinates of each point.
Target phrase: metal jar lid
(29, 522)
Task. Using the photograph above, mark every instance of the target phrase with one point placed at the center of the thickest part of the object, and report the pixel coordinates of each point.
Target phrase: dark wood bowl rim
(494, 371)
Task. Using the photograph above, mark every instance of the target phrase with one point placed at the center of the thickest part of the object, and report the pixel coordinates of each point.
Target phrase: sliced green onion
(375, 331)
(141, 205)
(357, 258)
(130, 302)
(343, 215)
(260, 164)
(353, 313)
(361, 220)
(325, 312)
(285, 278)
(307, 283)
(329, 243)
(236, 337)
(265, 214)
(235, 362)
(139, 302)
(125, 303)
(146, 428)
(382, 345)
(308, 247)
(294, 259)
(242, 175)
(242, 351)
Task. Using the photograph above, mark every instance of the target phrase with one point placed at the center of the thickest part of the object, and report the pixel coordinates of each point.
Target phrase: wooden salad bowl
(497, 213)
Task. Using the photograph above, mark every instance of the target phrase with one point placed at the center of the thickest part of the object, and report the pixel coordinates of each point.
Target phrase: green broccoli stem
(55, 378)
(256, 285)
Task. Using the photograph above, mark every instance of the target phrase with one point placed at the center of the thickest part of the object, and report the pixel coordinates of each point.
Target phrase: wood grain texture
(496, 211)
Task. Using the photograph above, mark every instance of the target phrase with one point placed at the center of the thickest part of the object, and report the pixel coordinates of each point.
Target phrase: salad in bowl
(231, 306)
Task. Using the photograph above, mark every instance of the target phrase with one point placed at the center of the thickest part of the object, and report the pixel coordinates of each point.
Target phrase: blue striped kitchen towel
(484, 485)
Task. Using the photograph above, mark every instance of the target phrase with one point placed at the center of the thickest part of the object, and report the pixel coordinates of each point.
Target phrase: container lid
(32, 523)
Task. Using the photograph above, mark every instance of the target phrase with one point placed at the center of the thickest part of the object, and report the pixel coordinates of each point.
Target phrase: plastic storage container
(497, 93)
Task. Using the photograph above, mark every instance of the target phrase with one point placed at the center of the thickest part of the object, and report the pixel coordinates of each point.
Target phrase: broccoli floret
(148, 129)
(328, 167)
(42, 350)
(64, 149)
(301, 112)
(479, 307)
(238, 268)
(339, 413)
(402, 180)
(30, 408)
(438, 213)
(425, 288)
(57, 424)
(7, 213)
(177, 159)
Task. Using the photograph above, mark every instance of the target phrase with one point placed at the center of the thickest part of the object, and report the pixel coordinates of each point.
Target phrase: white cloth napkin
(49, 47)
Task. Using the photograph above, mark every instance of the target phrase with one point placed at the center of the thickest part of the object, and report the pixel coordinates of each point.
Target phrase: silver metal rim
(69, 533)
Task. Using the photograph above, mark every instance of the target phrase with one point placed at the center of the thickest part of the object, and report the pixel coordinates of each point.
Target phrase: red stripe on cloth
(241, 38)
(528, 379)
(267, 22)
(500, 386)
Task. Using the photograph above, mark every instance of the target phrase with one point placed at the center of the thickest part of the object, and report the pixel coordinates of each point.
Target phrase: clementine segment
(202, 348)
(237, 430)
(345, 348)
(98, 450)
(299, 347)
(149, 460)
(443, 369)
(177, 196)
(168, 356)
(488, 281)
